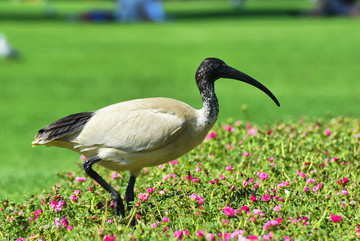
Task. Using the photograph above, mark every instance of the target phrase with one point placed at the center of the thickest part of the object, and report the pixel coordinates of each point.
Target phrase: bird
(134, 134)
(6, 50)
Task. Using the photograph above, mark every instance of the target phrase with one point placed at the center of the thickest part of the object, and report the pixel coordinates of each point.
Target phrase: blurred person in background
(137, 10)
(337, 8)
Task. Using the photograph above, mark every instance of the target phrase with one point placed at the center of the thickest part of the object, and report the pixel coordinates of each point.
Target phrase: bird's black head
(212, 69)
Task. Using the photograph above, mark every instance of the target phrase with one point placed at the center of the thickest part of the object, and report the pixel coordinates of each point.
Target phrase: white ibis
(141, 133)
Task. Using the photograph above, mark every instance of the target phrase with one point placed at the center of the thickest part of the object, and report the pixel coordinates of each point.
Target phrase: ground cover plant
(70, 67)
(286, 181)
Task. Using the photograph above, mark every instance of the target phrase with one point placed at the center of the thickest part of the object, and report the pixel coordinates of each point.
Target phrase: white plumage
(140, 133)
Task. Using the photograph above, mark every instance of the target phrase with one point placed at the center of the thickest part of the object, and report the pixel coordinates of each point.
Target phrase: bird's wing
(133, 128)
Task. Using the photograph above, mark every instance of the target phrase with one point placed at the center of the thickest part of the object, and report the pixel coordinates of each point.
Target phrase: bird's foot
(118, 205)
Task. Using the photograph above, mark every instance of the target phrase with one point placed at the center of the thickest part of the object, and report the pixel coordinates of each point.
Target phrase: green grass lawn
(68, 67)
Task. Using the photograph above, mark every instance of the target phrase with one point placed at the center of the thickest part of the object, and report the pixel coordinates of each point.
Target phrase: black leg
(129, 194)
(87, 165)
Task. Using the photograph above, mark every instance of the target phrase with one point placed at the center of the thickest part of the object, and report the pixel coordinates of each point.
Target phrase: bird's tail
(62, 128)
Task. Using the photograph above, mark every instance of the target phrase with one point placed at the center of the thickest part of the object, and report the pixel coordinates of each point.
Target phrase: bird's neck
(210, 108)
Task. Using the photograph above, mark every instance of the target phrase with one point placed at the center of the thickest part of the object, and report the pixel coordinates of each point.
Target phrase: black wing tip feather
(63, 127)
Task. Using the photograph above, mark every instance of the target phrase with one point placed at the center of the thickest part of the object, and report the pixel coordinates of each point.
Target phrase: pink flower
(57, 205)
(153, 225)
(229, 168)
(258, 212)
(229, 128)
(277, 208)
(194, 196)
(195, 180)
(252, 132)
(162, 192)
(211, 135)
(263, 175)
(144, 197)
(335, 219)
(57, 223)
(268, 236)
(108, 238)
(253, 237)
(73, 198)
(266, 198)
(178, 234)
(166, 220)
(287, 238)
(224, 236)
(253, 198)
(77, 192)
(272, 223)
(301, 174)
(200, 200)
(327, 132)
(189, 177)
(343, 181)
(199, 233)
(246, 153)
(245, 183)
(225, 221)
(245, 208)
(186, 232)
(114, 175)
(237, 233)
(306, 189)
(222, 177)
(228, 211)
(69, 227)
(90, 188)
(151, 190)
(309, 180)
(174, 162)
(316, 188)
(210, 237)
(344, 192)
(64, 222)
(80, 179)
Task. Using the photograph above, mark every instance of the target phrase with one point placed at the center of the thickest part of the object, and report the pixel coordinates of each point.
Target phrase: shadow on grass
(193, 16)
(260, 13)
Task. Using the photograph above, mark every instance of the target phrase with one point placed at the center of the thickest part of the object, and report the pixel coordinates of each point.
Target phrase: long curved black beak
(231, 73)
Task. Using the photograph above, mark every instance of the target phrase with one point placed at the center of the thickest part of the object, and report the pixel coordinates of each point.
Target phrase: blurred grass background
(68, 66)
